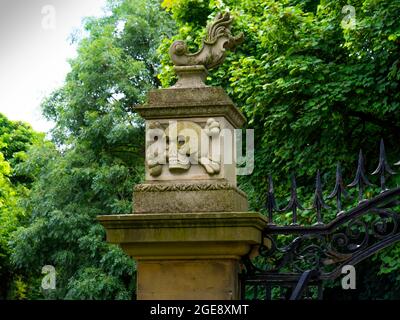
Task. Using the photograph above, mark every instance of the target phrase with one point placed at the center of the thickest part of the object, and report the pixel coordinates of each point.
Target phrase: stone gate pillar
(190, 224)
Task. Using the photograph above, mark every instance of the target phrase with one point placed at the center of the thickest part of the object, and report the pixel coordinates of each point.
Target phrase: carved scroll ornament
(213, 51)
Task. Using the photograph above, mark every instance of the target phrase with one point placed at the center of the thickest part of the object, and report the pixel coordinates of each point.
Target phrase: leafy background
(314, 92)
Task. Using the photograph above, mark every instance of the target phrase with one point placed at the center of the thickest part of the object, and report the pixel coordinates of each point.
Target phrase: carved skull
(155, 148)
(183, 145)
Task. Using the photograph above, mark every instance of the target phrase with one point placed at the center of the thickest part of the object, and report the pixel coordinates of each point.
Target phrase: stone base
(197, 280)
(186, 198)
(193, 256)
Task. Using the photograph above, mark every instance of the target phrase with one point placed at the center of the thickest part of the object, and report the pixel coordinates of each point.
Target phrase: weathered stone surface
(189, 198)
(190, 77)
(186, 255)
(188, 280)
(190, 102)
(185, 235)
(192, 153)
(191, 97)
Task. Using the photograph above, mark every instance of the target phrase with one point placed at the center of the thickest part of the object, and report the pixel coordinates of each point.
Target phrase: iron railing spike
(383, 167)
(383, 152)
(294, 202)
(270, 184)
(324, 249)
(319, 203)
(360, 179)
(339, 190)
(270, 203)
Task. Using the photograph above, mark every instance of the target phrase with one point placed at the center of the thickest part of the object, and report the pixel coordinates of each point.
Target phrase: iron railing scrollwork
(295, 260)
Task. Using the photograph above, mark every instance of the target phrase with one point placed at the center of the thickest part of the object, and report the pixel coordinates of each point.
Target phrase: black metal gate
(294, 260)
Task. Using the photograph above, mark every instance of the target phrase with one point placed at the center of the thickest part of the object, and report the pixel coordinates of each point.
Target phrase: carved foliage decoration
(213, 51)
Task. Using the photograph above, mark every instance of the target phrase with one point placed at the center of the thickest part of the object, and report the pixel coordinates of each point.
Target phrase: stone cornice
(191, 96)
(190, 102)
(230, 112)
(184, 220)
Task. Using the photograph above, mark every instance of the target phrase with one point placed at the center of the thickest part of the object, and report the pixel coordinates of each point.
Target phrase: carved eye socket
(155, 138)
(181, 140)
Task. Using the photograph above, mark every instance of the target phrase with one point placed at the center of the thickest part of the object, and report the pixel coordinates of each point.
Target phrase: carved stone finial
(213, 51)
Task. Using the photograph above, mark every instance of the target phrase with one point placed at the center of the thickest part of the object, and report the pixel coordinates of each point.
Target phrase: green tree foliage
(100, 156)
(8, 222)
(16, 139)
(314, 91)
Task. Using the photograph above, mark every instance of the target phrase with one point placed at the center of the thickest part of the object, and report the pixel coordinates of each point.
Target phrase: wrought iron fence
(294, 260)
